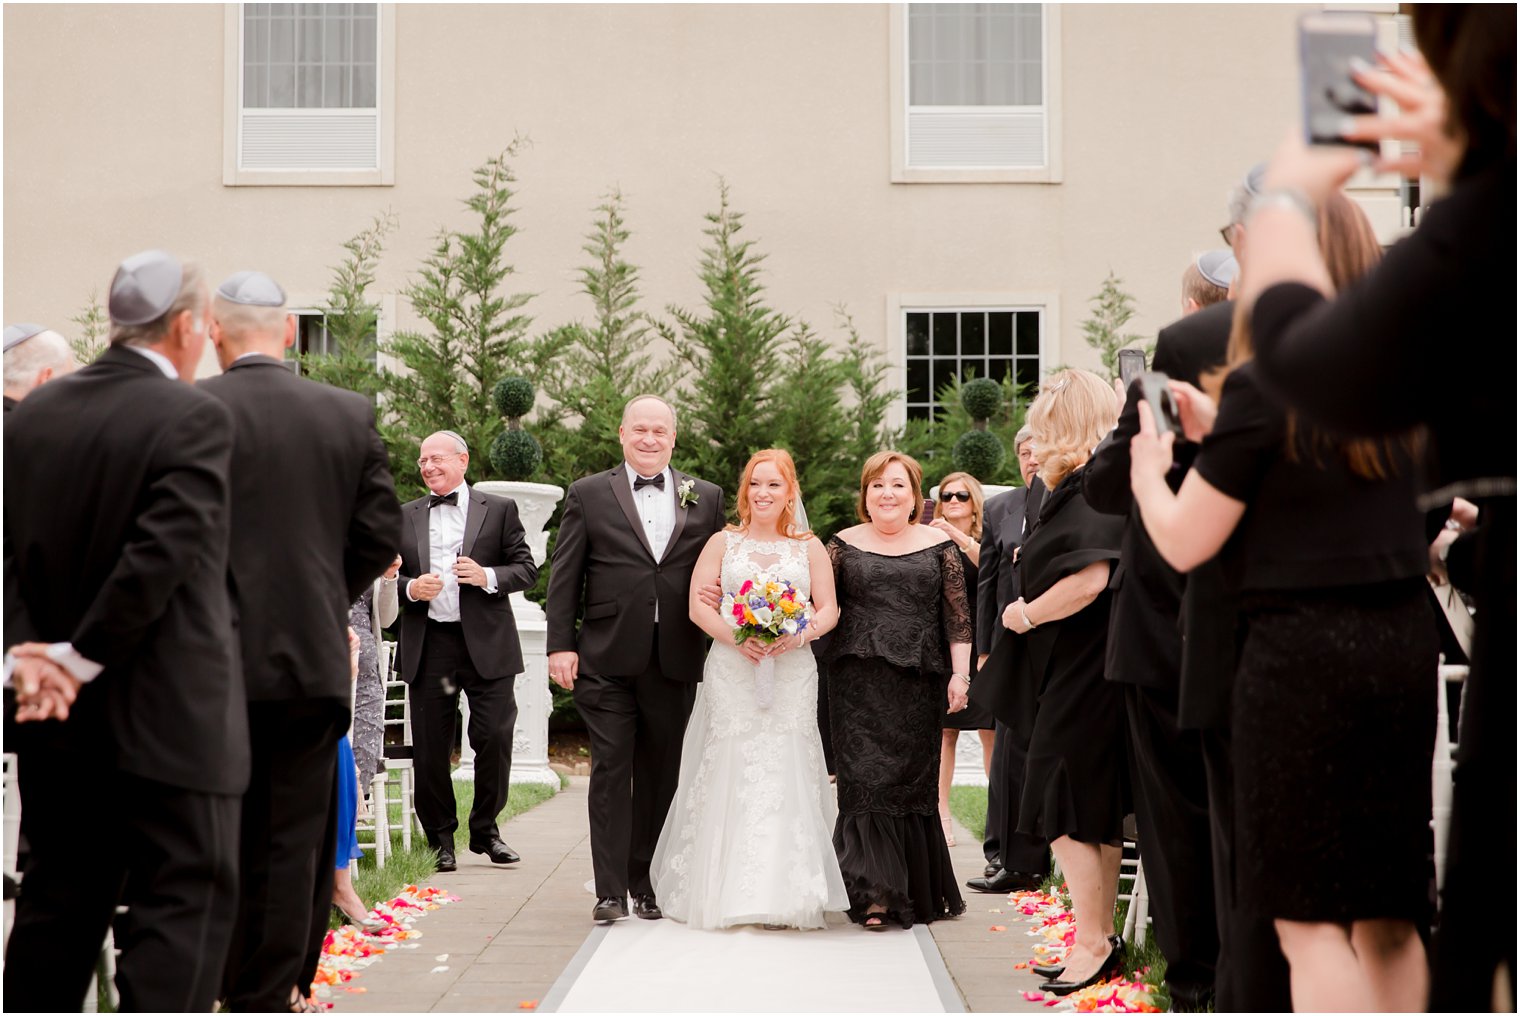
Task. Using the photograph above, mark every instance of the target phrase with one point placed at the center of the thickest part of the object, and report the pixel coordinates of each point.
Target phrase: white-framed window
(945, 343)
(312, 337)
(936, 337)
(309, 94)
(975, 92)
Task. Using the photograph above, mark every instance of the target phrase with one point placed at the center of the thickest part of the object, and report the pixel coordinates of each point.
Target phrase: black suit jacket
(997, 686)
(494, 539)
(996, 576)
(116, 532)
(314, 521)
(1145, 642)
(604, 564)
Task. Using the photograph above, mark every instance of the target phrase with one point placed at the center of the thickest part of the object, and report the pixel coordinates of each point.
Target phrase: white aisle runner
(664, 966)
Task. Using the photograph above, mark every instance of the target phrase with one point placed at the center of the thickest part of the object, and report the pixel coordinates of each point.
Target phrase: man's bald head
(36, 361)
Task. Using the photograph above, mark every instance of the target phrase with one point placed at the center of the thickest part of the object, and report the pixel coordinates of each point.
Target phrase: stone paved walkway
(516, 928)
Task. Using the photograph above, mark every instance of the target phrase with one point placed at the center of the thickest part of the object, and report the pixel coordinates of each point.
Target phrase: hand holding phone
(1156, 391)
(1327, 46)
(1131, 365)
(926, 513)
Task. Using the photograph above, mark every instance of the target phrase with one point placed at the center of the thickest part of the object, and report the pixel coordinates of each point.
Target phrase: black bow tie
(640, 482)
(438, 499)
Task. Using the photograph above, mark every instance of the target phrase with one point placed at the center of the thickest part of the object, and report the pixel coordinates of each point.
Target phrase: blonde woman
(958, 514)
(1075, 788)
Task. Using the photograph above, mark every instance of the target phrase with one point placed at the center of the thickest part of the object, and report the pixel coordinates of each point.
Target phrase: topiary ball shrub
(516, 454)
(514, 397)
(981, 397)
(979, 453)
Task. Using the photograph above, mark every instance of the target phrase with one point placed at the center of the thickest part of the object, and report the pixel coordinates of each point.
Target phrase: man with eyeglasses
(314, 521)
(463, 552)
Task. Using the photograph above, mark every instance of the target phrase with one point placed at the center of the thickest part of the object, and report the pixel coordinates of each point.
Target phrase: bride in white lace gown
(748, 839)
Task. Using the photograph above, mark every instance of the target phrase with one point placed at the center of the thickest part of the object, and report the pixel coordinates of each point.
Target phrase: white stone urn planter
(530, 739)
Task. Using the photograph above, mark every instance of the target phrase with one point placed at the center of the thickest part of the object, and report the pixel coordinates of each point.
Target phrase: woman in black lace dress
(903, 625)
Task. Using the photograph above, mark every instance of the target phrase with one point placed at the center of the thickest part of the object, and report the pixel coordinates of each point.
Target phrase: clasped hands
(752, 649)
(44, 689)
(430, 584)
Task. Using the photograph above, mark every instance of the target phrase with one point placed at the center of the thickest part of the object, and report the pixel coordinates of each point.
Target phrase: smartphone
(926, 514)
(1153, 387)
(1131, 365)
(1326, 44)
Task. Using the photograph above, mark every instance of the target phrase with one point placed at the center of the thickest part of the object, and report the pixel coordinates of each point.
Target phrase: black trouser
(997, 799)
(636, 725)
(1252, 974)
(446, 671)
(1172, 817)
(288, 818)
(1020, 852)
(101, 837)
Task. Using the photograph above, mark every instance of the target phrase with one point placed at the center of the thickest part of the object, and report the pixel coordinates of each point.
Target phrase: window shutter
(307, 139)
(976, 138)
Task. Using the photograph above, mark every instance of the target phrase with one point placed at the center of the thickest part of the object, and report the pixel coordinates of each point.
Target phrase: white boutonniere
(687, 492)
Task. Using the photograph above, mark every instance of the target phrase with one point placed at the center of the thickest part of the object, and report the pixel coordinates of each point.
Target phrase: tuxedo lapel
(422, 538)
(681, 510)
(620, 490)
(474, 521)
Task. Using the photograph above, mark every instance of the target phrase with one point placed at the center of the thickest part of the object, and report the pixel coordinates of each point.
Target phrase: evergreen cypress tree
(94, 327)
(351, 320)
(599, 366)
(1113, 308)
(477, 335)
(731, 349)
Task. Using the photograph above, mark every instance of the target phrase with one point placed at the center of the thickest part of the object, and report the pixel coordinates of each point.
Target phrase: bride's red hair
(782, 460)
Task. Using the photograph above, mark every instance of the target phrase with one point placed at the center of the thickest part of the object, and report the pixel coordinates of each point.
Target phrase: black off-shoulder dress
(887, 661)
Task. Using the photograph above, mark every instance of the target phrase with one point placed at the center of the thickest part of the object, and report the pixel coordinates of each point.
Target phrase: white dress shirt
(657, 512)
(446, 526)
(159, 360)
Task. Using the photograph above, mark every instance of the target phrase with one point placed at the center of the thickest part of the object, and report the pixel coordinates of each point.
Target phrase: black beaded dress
(974, 716)
(887, 661)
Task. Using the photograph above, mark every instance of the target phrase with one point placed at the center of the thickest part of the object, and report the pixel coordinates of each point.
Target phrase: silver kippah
(145, 287)
(18, 333)
(1254, 179)
(1218, 267)
(253, 288)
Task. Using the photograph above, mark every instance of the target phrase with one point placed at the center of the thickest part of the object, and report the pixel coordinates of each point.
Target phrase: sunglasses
(960, 495)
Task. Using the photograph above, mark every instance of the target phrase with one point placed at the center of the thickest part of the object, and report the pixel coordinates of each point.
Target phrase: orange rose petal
(533, 1004)
(999, 927)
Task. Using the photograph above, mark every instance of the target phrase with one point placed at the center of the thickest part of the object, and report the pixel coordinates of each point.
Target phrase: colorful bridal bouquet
(765, 608)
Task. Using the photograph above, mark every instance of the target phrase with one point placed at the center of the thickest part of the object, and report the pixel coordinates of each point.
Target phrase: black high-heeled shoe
(1051, 971)
(1108, 968)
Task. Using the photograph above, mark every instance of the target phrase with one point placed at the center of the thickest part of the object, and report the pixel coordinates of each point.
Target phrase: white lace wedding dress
(749, 836)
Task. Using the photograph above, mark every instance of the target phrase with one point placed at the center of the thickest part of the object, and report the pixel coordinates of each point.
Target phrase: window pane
(918, 381)
(1028, 372)
(944, 334)
(918, 412)
(364, 40)
(1031, 88)
(309, 87)
(1000, 333)
(973, 334)
(256, 87)
(282, 86)
(335, 41)
(1029, 333)
(943, 374)
(309, 41)
(282, 46)
(334, 86)
(1000, 369)
(364, 87)
(918, 334)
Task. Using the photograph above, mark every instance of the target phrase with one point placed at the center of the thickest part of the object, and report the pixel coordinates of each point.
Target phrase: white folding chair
(398, 757)
(1442, 766)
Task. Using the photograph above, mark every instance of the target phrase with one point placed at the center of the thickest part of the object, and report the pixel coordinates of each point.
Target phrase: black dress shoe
(609, 909)
(445, 857)
(1109, 968)
(991, 870)
(1051, 972)
(644, 906)
(1004, 881)
(496, 850)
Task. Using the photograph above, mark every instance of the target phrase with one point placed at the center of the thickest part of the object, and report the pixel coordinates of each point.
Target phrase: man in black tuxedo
(314, 521)
(116, 533)
(627, 543)
(1182, 797)
(1015, 860)
(462, 553)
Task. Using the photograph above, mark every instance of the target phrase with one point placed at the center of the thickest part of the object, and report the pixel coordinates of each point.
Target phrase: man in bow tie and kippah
(462, 553)
(627, 544)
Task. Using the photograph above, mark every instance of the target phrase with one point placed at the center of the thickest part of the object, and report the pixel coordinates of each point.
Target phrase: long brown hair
(1350, 249)
(974, 488)
(786, 524)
